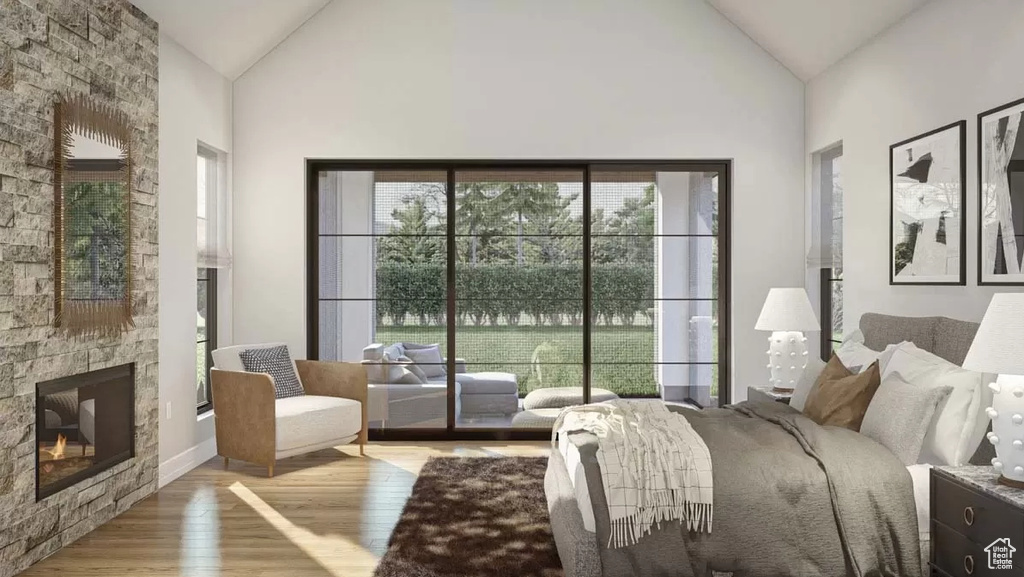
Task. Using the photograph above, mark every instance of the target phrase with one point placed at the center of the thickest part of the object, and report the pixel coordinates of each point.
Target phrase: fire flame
(57, 452)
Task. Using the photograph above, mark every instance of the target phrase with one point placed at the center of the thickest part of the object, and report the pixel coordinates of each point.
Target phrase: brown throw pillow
(840, 397)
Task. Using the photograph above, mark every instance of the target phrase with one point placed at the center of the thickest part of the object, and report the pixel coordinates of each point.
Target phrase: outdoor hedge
(505, 294)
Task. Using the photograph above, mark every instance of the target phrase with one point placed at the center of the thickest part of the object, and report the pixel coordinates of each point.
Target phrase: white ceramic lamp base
(1007, 414)
(787, 358)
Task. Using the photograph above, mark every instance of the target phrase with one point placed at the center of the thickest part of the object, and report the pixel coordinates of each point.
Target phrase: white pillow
(807, 379)
(960, 420)
(858, 358)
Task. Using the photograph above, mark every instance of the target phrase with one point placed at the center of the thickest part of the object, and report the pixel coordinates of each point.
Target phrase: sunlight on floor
(200, 518)
(335, 554)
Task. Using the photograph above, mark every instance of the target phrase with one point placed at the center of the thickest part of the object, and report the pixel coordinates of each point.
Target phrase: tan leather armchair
(251, 425)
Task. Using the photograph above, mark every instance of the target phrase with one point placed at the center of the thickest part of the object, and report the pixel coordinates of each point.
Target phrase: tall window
(830, 241)
(211, 202)
(586, 278)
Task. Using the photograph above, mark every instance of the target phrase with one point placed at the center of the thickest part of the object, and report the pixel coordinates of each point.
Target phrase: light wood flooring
(325, 514)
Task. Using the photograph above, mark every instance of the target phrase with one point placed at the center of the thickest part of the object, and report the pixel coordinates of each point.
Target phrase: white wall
(195, 106)
(948, 61)
(509, 79)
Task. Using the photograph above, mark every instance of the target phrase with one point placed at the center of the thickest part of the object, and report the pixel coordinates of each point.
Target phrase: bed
(904, 498)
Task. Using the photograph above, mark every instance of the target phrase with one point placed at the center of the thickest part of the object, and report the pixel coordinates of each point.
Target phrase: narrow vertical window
(830, 241)
(212, 256)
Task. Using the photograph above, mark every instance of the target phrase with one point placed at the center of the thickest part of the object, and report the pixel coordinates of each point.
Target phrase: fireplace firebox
(85, 424)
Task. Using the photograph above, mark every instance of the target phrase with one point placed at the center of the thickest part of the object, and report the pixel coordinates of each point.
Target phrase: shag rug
(475, 517)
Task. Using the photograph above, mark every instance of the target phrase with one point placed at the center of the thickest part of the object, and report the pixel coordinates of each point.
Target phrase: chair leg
(362, 452)
(270, 471)
(226, 461)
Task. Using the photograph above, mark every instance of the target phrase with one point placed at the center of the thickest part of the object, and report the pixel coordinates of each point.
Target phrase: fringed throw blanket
(654, 466)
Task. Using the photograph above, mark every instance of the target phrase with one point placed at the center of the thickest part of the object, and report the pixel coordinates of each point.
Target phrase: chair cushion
(486, 383)
(558, 397)
(228, 359)
(279, 365)
(312, 419)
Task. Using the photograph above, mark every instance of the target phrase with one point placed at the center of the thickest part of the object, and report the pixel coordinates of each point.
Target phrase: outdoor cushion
(428, 358)
(535, 419)
(558, 397)
(503, 404)
(487, 383)
(312, 419)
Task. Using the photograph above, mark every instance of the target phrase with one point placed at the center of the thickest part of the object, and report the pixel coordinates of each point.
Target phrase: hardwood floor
(325, 514)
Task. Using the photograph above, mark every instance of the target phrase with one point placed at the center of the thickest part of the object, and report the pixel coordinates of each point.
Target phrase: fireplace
(85, 424)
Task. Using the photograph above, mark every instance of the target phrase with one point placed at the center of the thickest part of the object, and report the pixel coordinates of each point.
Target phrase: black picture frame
(959, 129)
(992, 279)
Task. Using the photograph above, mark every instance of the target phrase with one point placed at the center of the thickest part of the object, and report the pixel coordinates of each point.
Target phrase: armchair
(252, 425)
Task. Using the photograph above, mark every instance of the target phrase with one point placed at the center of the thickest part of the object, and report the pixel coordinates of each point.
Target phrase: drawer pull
(969, 564)
(969, 516)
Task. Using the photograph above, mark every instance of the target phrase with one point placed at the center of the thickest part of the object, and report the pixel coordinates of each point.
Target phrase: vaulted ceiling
(230, 35)
(806, 36)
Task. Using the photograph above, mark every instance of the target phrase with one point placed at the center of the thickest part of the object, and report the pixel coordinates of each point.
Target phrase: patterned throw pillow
(277, 362)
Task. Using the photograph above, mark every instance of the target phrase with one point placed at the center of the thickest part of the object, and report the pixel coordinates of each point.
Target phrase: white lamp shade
(787, 309)
(999, 345)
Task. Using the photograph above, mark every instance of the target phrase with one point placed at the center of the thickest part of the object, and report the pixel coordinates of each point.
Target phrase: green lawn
(622, 355)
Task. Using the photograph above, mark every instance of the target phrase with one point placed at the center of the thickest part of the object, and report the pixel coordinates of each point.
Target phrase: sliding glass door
(483, 296)
(381, 260)
(518, 290)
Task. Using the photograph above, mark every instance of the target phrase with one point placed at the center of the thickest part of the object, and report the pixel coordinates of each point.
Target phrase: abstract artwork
(1001, 187)
(927, 197)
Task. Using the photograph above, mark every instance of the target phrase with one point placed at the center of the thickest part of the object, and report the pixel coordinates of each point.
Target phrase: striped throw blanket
(654, 466)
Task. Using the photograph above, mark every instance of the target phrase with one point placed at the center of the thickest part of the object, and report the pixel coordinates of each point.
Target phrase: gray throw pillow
(401, 371)
(899, 415)
(412, 366)
(428, 358)
(277, 362)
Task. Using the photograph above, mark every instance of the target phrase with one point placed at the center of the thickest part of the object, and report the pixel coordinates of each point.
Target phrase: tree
(556, 235)
(473, 212)
(416, 236)
(635, 222)
(521, 199)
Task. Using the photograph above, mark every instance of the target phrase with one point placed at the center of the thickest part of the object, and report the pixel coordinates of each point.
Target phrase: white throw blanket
(654, 466)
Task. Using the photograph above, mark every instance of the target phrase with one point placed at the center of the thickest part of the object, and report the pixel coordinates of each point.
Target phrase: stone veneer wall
(109, 49)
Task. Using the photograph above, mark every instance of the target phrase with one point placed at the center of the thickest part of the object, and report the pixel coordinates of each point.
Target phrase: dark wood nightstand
(767, 394)
(974, 518)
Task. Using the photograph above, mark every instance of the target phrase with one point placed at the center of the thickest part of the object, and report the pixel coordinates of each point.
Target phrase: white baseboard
(187, 460)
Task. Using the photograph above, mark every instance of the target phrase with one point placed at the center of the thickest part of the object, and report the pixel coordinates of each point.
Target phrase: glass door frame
(723, 168)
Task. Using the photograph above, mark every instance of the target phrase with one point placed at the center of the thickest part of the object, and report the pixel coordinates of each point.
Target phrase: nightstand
(977, 525)
(767, 394)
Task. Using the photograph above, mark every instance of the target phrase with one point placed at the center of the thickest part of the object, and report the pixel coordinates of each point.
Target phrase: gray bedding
(791, 498)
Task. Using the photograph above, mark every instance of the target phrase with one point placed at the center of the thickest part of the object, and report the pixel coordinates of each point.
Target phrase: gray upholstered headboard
(941, 336)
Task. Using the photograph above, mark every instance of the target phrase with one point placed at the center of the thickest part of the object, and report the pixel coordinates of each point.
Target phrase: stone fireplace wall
(106, 48)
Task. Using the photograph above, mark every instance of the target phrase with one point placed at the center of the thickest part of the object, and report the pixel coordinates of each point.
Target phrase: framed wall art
(927, 194)
(1001, 192)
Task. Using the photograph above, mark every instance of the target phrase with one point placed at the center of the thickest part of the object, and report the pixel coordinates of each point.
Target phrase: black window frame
(828, 276)
(211, 333)
(723, 167)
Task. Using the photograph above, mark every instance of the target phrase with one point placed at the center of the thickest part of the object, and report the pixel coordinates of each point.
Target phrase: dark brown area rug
(474, 517)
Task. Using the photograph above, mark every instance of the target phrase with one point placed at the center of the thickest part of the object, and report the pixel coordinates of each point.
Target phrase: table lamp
(787, 313)
(999, 348)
